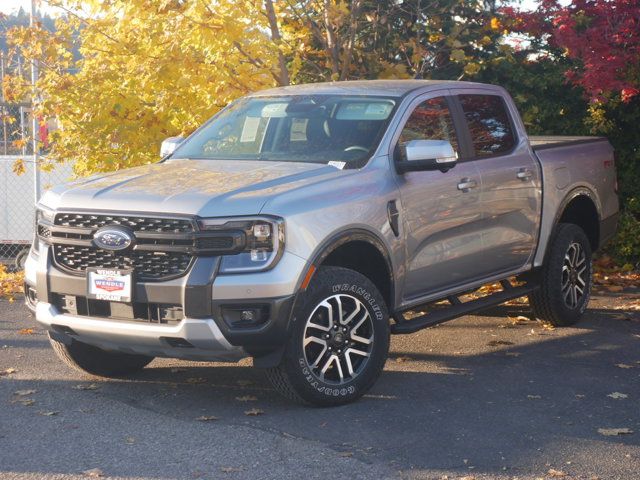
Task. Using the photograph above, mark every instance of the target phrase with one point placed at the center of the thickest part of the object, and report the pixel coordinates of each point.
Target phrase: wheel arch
(580, 207)
(363, 251)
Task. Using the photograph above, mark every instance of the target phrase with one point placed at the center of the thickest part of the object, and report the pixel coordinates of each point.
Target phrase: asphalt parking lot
(477, 398)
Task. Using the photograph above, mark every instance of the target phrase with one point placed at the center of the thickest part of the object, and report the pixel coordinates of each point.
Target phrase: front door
(442, 217)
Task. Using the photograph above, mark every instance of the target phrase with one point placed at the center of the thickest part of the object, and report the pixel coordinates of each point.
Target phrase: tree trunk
(277, 39)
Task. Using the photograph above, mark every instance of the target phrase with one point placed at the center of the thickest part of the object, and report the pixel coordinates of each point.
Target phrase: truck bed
(569, 164)
(549, 141)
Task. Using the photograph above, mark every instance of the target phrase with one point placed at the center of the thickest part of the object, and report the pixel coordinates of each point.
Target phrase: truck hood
(194, 187)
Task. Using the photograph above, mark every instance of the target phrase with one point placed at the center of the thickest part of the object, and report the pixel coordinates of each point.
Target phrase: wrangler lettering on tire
(339, 340)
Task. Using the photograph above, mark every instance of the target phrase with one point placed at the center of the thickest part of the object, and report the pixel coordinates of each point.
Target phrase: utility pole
(34, 120)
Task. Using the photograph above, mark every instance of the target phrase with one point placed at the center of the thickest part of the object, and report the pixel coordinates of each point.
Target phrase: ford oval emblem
(113, 238)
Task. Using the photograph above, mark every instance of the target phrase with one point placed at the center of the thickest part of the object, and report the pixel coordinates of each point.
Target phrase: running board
(458, 309)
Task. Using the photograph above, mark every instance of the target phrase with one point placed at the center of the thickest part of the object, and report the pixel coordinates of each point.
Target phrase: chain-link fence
(15, 129)
(17, 205)
(18, 191)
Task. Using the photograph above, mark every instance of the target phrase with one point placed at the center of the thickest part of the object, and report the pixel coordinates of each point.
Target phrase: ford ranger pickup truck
(301, 224)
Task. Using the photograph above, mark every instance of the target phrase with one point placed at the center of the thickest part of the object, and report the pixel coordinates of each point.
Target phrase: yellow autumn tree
(147, 69)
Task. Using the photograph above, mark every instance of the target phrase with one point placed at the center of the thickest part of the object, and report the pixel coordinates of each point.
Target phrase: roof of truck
(387, 88)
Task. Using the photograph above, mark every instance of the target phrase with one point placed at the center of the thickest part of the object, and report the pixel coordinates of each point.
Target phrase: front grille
(164, 247)
(74, 251)
(147, 265)
(215, 243)
(44, 232)
(138, 224)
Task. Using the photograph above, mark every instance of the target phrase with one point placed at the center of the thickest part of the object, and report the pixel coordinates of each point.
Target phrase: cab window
(488, 122)
(431, 120)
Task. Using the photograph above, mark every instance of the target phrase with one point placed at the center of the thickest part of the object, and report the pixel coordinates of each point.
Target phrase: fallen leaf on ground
(86, 386)
(94, 472)
(196, 380)
(534, 397)
(496, 343)
(623, 365)
(579, 395)
(556, 473)
(207, 418)
(403, 359)
(24, 393)
(230, 469)
(129, 440)
(247, 398)
(27, 402)
(7, 371)
(345, 454)
(47, 414)
(254, 412)
(26, 331)
(617, 395)
(612, 432)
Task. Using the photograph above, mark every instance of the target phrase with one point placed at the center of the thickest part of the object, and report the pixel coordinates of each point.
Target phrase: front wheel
(96, 361)
(339, 340)
(566, 278)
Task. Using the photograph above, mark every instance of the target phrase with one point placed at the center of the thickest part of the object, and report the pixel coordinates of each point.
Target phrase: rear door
(444, 236)
(510, 197)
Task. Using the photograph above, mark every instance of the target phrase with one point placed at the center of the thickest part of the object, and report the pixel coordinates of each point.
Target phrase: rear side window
(489, 125)
(431, 120)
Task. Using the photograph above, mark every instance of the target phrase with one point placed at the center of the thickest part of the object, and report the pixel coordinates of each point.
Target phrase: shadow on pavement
(449, 400)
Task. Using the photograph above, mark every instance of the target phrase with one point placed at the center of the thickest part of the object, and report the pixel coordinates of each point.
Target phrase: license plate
(108, 284)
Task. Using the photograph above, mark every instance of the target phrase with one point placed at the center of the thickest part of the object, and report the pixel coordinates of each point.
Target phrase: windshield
(309, 128)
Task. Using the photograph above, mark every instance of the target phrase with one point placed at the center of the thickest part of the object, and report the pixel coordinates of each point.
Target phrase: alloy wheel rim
(338, 339)
(574, 270)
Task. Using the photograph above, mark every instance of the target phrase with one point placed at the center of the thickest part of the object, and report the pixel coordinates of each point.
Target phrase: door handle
(524, 174)
(466, 184)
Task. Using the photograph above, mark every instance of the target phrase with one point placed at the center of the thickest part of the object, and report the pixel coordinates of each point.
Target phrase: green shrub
(625, 247)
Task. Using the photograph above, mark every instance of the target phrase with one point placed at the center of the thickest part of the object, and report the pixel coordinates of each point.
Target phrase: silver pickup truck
(299, 225)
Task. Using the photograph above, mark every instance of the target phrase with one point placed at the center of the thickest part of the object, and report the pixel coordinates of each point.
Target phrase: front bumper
(155, 340)
(203, 334)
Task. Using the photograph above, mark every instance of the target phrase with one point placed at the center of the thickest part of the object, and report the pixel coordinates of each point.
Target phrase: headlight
(264, 242)
(42, 213)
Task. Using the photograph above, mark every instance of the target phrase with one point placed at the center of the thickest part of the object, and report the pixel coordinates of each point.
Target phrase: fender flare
(580, 191)
(322, 251)
(572, 195)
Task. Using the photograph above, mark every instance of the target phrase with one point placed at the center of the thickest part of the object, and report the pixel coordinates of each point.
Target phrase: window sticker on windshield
(378, 109)
(250, 129)
(275, 110)
(338, 165)
(364, 110)
(298, 129)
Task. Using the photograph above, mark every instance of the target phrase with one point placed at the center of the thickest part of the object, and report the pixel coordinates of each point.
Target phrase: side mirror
(420, 155)
(169, 145)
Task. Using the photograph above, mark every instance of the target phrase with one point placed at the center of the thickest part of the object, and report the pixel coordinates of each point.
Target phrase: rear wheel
(95, 361)
(338, 343)
(566, 278)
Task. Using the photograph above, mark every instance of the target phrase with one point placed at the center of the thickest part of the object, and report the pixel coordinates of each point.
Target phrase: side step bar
(458, 309)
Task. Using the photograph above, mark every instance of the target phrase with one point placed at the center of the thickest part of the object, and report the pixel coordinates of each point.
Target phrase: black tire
(21, 259)
(95, 361)
(554, 302)
(351, 374)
